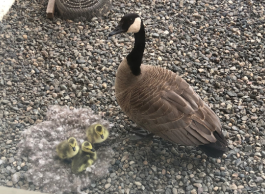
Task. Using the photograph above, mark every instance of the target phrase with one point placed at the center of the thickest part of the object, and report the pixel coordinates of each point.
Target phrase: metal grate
(87, 9)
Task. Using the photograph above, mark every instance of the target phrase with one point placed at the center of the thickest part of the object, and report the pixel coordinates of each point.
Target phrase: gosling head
(129, 23)
(72, 143)
(99, 130)
(87, 147)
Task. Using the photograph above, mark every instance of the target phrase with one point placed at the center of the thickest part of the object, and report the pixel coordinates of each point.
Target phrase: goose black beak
(117, 30)
(102, 136)
(73, 148)
(93, 150)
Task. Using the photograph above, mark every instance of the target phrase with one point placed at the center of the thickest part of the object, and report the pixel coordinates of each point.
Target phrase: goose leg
(141, 133)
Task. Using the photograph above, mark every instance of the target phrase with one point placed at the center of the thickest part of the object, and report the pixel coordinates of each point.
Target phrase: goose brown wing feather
(173, 111)
(177, 102)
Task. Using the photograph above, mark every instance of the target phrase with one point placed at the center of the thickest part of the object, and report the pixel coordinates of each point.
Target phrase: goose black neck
(135, 57)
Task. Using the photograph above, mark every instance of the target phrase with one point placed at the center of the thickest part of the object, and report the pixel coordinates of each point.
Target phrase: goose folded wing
(178, 116)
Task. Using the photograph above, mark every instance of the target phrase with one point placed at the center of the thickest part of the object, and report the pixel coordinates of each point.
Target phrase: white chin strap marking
(135, 27)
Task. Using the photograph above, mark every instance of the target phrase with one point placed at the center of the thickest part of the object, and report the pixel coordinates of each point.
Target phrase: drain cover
(86, 9)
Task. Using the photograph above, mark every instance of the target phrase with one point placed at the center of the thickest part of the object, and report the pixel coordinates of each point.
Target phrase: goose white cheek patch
(135, 27)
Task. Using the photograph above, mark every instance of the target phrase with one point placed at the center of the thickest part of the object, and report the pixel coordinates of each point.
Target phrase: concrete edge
(8, 190)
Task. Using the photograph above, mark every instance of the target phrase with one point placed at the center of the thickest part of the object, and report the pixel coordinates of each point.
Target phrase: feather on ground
(46, 170)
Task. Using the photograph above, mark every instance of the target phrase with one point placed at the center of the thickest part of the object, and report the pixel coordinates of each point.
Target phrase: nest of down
(46, 169)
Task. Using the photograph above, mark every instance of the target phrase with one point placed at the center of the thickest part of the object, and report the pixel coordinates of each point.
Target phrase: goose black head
(129, 23)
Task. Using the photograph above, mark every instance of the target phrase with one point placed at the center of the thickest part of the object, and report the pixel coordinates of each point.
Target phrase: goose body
(162, 102)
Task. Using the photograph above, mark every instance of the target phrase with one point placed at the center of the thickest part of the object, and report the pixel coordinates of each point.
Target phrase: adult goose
(160, 101)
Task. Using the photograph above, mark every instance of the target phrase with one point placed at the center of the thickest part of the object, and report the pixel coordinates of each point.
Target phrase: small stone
(233, 68)
(9, 184)
(190, 166)
(202, 174)
(181, 3)
(232, 94)
(104, 85)
(155, 35)
(215, 188)
(86, 69)
(16, 177)
(193, 191)
(80, 61)
(233, 187)
(8, 141)
(74, 66)
(145, 162)
(166, 32)
(9, 83)
(248, 148)
(5, 101)
(178, 177)
(154, 168)
(198, 185)
(197, 15)
(29, 108)
(159, 58)
(244, 118)
(229, 106)
(25, 36)
(107, 186)
(45, 54)
(259, 180)
(138, 183)
(245, 78)
(174, 191)
(54, 95)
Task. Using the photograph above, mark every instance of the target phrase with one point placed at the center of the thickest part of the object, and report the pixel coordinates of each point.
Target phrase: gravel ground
(217, 45)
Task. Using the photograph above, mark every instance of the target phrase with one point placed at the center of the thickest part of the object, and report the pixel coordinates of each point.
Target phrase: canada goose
(67, 149)
(85, 158)
(160, 101)
(97, 133)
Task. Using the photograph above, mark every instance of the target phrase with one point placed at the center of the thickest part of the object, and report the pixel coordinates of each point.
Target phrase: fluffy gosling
(85, 158)
(67, 149)
(97, 133)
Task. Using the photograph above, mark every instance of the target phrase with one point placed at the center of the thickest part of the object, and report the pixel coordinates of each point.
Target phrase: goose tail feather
(216, 149)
